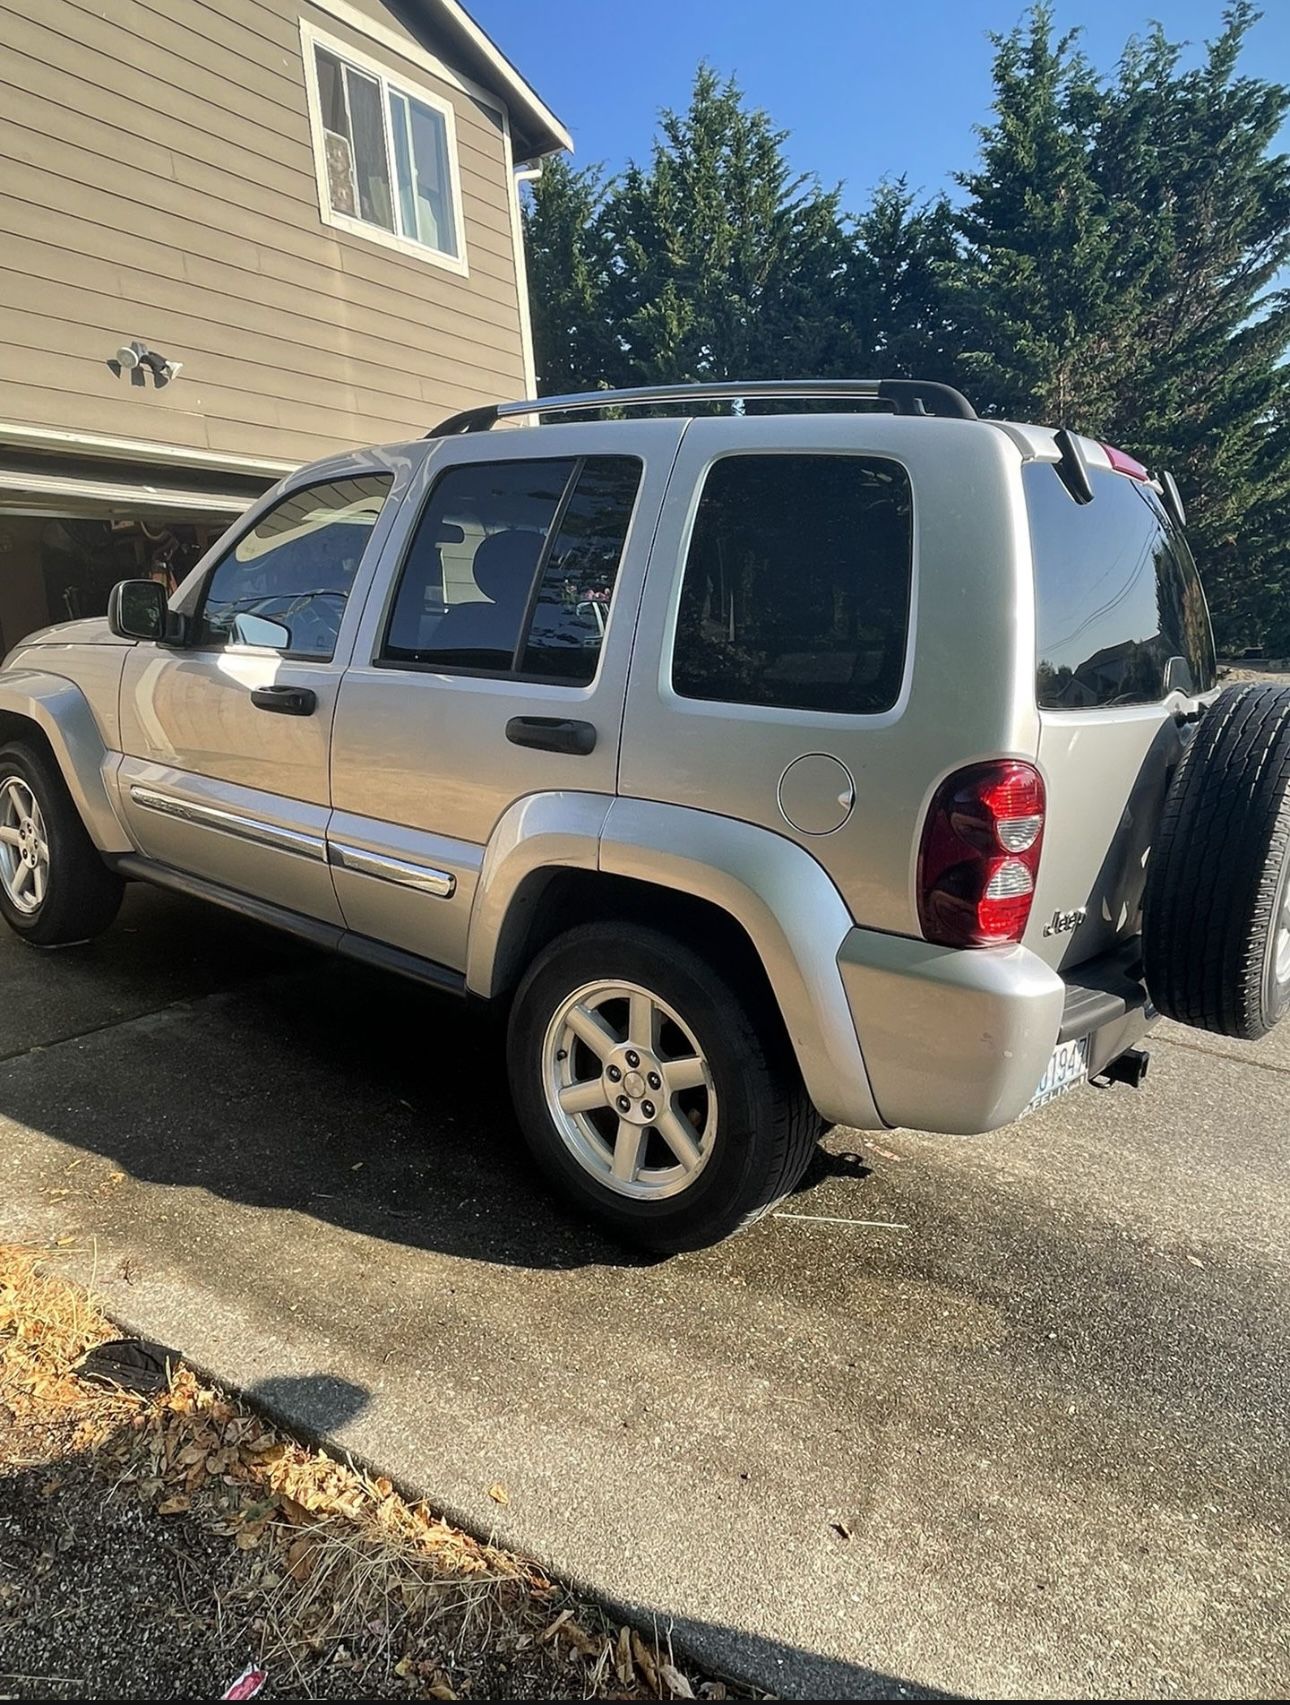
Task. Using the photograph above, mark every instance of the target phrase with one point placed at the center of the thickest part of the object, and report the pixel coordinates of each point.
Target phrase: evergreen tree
(725, 264)
(1044, 326)
(907, 260)
(1113, 268)
(1202, 209)
(568, 261)
(1121, 239)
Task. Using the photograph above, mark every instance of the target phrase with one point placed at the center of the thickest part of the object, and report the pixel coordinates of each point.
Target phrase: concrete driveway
(1025, 1436)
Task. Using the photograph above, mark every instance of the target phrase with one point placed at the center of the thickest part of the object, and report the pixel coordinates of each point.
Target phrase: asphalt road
(1026, 1436)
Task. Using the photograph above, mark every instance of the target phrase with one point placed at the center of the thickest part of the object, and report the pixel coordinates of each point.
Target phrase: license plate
(1067, 1069)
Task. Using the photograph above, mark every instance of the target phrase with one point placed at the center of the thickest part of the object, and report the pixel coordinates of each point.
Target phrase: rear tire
(54, 886)
(731, 1140)
(1216, 910)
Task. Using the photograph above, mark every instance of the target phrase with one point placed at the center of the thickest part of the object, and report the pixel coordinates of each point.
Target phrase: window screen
(512, 568)
(1119, 604)
(370, 129)
(797, 583)
(286, 581)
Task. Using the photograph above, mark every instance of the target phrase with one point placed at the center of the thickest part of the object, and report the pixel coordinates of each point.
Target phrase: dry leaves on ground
(336, 1569)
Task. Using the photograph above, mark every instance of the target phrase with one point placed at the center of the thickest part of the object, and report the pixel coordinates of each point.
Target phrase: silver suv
(790, 756)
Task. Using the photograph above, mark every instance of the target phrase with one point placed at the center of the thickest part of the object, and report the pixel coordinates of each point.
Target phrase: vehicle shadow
(291, 1080)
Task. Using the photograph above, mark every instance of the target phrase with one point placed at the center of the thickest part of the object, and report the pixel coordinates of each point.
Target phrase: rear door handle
(286, 701)
(552, 734)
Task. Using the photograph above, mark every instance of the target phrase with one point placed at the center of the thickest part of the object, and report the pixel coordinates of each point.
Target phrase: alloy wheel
(630, 1090)
(24, 849)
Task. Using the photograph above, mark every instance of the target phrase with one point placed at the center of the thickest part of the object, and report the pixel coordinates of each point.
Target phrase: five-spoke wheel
(653, 1085)
(54, 886)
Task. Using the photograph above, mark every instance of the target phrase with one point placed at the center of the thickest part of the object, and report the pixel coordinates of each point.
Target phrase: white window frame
(311, 38)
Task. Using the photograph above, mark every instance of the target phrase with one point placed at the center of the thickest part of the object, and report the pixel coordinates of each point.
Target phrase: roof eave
(535, 129)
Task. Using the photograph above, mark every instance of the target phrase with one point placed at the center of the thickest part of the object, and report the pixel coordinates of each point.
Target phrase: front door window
(285, 583)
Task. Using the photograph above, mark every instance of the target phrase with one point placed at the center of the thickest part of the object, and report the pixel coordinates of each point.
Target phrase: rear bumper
(957, 1041)
(1107, 1001)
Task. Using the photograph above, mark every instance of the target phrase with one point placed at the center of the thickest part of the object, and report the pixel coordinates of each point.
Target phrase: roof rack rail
(906, 396)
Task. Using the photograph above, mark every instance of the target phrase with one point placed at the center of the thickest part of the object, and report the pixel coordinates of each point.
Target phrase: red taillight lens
(1124, 463)
(980, 855)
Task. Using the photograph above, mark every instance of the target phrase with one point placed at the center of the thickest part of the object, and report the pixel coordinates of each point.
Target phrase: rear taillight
(980, 855)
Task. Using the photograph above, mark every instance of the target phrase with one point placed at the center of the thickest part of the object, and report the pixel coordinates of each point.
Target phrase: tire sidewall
(18, 760)
(1216, 878)
(726, 1189)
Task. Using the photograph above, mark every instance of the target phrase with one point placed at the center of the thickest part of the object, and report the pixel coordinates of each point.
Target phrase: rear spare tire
(1216, 911)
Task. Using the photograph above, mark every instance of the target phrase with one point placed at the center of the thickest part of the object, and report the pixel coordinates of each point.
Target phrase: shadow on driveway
(1047, 1405)
(321, 1087)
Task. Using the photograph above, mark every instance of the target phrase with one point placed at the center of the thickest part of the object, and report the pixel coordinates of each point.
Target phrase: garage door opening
(56, 568)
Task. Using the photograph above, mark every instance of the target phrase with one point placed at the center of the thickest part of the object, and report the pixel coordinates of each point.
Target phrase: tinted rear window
(1117, 596)
(796, 589)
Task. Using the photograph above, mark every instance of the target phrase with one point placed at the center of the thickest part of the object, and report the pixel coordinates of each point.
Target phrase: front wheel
(54, 886)
(650, 1092)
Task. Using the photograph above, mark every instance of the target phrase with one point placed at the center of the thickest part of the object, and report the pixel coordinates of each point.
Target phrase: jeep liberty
(774, 755)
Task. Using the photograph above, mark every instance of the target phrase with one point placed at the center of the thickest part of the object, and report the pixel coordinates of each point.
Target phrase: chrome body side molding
(424, 878)
(230, 823)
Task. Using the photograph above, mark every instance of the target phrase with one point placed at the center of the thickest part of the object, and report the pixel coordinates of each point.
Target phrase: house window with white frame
(386, 155)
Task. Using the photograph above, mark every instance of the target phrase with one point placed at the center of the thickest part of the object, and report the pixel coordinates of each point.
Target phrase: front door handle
(552, 734)
(286, 701)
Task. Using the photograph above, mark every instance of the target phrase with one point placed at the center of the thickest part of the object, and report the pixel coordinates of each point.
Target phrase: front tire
(652, 1095)
(54, 886)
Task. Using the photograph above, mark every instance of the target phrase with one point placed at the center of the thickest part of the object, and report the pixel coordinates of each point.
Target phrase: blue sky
(867, 88)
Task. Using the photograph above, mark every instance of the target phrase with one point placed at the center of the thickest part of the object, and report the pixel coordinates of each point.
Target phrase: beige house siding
(157, 181)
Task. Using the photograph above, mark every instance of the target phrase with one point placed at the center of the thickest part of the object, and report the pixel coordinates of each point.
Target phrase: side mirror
(137, 609)
(249, 629)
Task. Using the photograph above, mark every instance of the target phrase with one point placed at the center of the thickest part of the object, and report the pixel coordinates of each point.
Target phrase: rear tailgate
(1106, 775)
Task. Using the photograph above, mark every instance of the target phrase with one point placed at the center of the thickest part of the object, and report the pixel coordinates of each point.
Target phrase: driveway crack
(90, 1030)
(1222, 1054)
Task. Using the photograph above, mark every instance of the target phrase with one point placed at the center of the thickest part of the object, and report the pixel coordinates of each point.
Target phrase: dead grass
(333, 1577)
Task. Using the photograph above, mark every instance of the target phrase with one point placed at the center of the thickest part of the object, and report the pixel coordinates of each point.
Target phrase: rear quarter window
(797, 583)
(1117, 596)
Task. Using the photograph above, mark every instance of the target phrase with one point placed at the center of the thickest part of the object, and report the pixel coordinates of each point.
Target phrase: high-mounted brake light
(980, 855)
(1123, 463)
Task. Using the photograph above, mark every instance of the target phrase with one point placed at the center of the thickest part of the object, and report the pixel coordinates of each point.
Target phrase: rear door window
(1120, 615)
(512, 567)
(797, 584)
